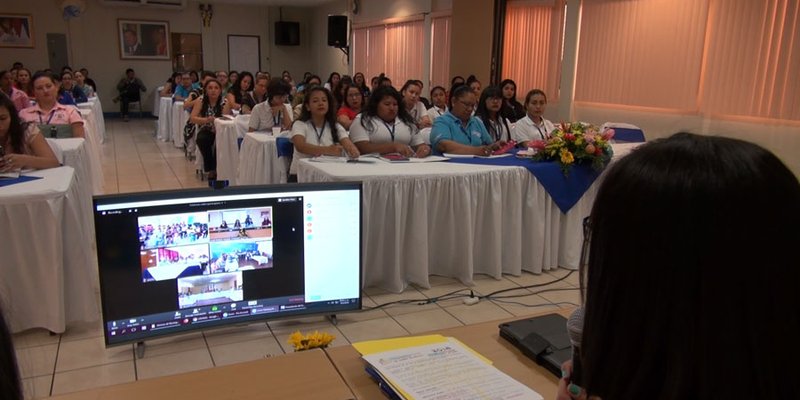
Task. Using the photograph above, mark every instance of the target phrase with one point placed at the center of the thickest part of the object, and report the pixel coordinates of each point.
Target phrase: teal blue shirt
(449, 127)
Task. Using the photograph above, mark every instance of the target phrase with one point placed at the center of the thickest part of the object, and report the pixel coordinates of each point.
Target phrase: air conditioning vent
(164, 4)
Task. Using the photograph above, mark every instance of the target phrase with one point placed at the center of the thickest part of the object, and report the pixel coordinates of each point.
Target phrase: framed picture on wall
(16, 30)
(143, 40)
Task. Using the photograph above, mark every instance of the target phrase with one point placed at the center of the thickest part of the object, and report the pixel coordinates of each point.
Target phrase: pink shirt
(19, 98)
(59, 115)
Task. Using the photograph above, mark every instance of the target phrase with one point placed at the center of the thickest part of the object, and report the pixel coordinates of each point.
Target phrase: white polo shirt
(317, 137)
(379, 131)
(434, 112)
(526, 130)
(261, 118)
(417, 112)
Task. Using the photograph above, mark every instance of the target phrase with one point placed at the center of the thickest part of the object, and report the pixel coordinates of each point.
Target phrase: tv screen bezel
(205, 192)
(286, 26)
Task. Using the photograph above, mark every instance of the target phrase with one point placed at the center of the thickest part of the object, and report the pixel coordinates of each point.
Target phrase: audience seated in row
(24, 147)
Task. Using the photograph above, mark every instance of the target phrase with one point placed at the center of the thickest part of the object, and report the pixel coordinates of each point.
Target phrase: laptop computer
(543, 339)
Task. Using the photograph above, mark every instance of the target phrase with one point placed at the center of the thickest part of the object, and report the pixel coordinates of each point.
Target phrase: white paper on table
(334, 159)
(451, 155)
(446, 371)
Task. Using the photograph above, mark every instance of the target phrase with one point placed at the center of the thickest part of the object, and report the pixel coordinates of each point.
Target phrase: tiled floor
(133, 160)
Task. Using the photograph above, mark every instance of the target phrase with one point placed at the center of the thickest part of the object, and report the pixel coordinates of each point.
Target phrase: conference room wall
(92, 40)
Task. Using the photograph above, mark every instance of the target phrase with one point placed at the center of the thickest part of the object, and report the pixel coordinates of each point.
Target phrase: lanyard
(438, 110)
(390, 129)
(319, 133)
(538, 129)
(276, 120)
(497, 130)
(52, 112)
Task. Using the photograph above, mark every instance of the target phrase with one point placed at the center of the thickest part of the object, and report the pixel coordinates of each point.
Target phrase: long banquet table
(49, 270)
(229, 131)
(456, 220)
(259, 163)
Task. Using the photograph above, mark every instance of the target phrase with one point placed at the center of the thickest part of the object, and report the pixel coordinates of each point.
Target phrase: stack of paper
(437, 367)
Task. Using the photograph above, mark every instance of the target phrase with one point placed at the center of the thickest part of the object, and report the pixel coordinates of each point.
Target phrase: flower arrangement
(575, 142)
(313, 340)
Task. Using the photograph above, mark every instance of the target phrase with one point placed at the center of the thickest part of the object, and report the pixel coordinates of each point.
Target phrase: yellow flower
(310, 341)
(566, 157)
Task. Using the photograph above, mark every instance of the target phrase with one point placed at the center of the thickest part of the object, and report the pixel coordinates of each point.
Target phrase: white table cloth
(164, 105)
(49, 268)
(93, 151)
(179, 117)
(259, 163)
(76, 155)
(228, 132)
(156, 96)
(97, 113)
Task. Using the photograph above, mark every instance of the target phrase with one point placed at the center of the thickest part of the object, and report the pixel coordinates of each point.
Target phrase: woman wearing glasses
(534, 126)
(488, 111)
(351, 105)
(458, 132)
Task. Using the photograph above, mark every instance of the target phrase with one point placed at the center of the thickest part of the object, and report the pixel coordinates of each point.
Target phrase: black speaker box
(287, 33)
(337, 30)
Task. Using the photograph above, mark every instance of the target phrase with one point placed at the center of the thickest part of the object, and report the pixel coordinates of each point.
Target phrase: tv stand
(332, 318)
(139, 350)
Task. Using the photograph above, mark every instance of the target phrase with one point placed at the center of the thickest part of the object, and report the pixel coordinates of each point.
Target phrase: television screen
(176, 261)
(287, 33)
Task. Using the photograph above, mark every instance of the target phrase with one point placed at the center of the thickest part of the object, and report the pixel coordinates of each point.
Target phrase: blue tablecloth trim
(21, 179)
(284, 146)
(565, 190)
(628, 135)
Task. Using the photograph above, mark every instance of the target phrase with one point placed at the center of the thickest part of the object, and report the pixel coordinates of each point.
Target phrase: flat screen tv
(176, 261)
(287, 33)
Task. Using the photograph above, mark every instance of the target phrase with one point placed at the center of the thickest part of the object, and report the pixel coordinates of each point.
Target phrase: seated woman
(489, 112)
(52, 118)
(411, 91)
(211, 107)
(474, 84)
(512, 109)
(333, 81)
(258, 95)
(23, 144)
(360, 82)
(68, 89)
(18, 97)
(316, 132)
(24, 81)
(80, 83)
(171, 85)
(351, 106)
(534, 126)
(236, 96)
(386, 127)
(274, 111)
(297, 100)
(458, 132)
(691, 306)
(439, 100)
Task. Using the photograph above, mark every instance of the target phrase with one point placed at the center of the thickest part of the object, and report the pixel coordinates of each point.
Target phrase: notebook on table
(543, 339)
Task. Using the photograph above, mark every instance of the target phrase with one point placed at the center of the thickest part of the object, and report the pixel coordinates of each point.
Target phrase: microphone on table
(575, 331)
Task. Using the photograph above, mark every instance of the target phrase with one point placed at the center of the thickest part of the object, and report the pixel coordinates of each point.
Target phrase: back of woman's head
(277, 87)
(690, 285)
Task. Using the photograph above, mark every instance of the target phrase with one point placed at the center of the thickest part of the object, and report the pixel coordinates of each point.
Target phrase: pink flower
(608, 134)
(590, 148)
(569, 136)
(538, 144)
(598, 151)
(588, 138)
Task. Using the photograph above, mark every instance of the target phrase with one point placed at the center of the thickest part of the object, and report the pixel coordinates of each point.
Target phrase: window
(394, 49)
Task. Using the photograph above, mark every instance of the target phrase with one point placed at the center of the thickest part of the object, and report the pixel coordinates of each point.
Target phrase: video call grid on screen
(198, 249)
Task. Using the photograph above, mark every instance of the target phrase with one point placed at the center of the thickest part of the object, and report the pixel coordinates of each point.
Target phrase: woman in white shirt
(488, 112)
(386, 127)
(272, 112)
(333, 81)
(411, 92)
(534, 126)
(316, 131)
(439, 100)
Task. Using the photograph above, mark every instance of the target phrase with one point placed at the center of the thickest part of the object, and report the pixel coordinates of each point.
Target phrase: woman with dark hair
(88, 90)
(316, 132)
(474, 84)
(512, 109)
(170, 85)
(439, 100)
(273, 112)
(457, 131)
(383, 80)
(456, 81)
(333, 80)
(258, 95)
(71, 93)
(52, 118)
(18, 97)
(23, 145)
(297, 100)
(489, 113)
(386, 127)
(233, 78)
(24, 82)
(238, 93)
(212, 107)
(10, 383)
(534, 126)
(677, 312)
(361, 83)
(195, 78)
(411, 91)
(351, 105)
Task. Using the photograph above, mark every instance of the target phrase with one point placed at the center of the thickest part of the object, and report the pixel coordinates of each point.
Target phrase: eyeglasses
(468, 106)
(354, 95)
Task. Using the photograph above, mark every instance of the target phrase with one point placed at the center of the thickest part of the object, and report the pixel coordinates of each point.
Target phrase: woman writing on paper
(386, 127)
(534, 126)
(316, 132)
(53, 119)
(24, 147)
(489, 113)
(458, 132)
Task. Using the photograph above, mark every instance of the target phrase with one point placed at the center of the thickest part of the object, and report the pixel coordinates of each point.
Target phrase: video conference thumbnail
(240, 224)
(197, 291)
(240, 256)
(172, 230)
(174, 262)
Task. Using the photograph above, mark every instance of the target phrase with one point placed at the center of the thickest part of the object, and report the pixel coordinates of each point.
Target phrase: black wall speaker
(287, 33)
(337, 30)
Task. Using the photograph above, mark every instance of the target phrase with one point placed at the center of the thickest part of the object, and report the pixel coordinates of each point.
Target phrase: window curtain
(641, 53)
(532, 46)
(393, 49)
(440, 52)
(753, 59)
